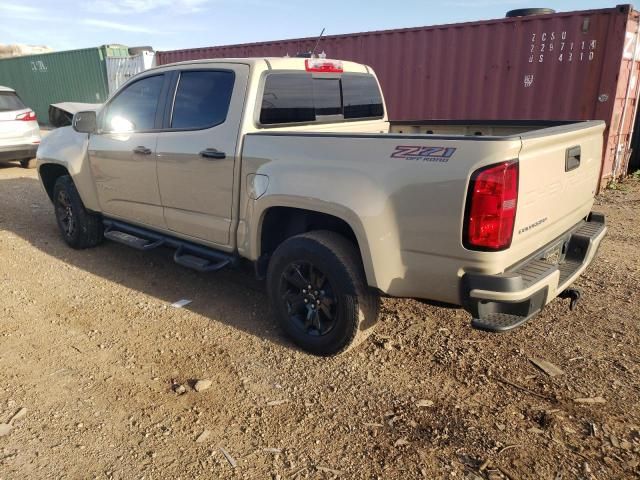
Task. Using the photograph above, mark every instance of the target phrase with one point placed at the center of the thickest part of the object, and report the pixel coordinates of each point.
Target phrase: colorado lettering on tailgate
(423, 154)
(533, 225)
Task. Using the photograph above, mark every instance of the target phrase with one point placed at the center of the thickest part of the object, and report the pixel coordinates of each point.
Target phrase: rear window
(10, 101)
(362, 97)
(326, 96)
(301, 98)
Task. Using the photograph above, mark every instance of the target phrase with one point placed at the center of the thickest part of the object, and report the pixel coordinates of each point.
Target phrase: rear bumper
(18, 152)
(526, 288)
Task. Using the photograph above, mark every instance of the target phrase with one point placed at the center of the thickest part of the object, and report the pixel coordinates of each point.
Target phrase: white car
(19, 130)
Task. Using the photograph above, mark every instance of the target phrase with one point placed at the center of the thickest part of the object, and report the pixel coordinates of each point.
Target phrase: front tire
(79, 228)
(318, 291)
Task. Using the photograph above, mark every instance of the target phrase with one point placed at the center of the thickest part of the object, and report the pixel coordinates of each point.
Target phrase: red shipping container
(565, 66)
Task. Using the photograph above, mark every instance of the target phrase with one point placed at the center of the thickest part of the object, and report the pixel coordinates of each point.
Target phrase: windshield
(10, 101)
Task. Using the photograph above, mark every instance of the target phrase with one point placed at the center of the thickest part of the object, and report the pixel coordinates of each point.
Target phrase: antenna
(317, 42)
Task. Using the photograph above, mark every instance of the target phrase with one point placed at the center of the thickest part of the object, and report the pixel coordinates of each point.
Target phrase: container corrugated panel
(624, 115)
(565, 66)
(68, 76)
(121, 69)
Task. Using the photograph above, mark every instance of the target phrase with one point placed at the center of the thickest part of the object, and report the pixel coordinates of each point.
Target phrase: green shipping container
(68, 76)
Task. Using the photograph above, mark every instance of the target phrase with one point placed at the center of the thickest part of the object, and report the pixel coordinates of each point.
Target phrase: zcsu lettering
(544, 49)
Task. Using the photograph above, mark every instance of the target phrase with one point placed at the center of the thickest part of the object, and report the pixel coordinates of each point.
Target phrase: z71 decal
(423, 154)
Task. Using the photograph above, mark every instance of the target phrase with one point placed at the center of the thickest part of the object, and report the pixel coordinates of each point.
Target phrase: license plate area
(555, 254)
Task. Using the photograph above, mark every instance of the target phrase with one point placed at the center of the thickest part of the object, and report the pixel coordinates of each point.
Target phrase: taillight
(323, 65)
(27, 116)
(491, 207)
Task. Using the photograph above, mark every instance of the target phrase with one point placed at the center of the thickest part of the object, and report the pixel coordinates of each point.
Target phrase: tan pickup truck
(291, 163)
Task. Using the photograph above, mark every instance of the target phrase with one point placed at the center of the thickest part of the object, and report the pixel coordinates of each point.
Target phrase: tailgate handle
(572, 158)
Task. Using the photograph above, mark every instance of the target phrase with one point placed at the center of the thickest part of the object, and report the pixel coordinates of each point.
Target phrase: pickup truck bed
(475, 128)
(407, 210)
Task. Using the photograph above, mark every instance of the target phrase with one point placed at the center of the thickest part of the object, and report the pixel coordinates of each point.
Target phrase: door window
(202, 99)
(134, 108)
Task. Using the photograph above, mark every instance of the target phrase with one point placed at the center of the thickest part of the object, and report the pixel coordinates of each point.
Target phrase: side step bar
(131, 240)
(187, 254)
(181, 257)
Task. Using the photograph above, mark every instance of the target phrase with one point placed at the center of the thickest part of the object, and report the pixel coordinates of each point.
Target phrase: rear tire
(28, 163)
(339, 310)
(79, 228)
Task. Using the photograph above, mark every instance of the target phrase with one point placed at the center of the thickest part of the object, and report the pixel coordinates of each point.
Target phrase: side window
(287, 98)
(134, 109)
(362, 97)
(202, 99)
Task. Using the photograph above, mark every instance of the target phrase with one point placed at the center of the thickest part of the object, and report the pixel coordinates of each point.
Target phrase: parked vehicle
(19, 130)
(61, 114)
(289, 163)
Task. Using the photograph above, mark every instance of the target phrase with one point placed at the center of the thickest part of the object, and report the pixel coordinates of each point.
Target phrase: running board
(187, 254)
(131, 240)
(186, 259)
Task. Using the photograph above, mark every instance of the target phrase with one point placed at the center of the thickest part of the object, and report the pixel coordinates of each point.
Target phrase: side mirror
(85, 122)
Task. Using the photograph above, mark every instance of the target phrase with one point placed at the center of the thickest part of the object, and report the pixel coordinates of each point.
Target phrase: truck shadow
(233, 297)
(6, 164)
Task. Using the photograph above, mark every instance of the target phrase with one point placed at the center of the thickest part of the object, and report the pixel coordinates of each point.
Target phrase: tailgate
(559, 173)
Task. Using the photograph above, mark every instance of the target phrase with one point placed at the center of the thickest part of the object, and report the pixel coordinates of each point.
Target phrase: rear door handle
(213, 154)
(572, 158)
(142, 150)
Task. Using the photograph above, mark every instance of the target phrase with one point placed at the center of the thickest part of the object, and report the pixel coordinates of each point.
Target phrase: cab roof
(272, 63)
(6, 89)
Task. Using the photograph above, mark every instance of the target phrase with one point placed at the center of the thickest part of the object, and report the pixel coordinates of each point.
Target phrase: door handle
(572, 158)
(213, 154)
(142, 150)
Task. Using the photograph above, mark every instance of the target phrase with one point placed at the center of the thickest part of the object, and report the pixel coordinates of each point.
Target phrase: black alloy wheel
(64, 213)
(318, 291)
(309, 298)
(80, 228)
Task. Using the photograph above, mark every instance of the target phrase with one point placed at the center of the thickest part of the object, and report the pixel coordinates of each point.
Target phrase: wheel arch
(279, 222)
(49, 174)
(64, 149)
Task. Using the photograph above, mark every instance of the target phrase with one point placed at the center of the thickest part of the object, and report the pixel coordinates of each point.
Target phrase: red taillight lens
(323, 65)
(491, 207)
(27, 116)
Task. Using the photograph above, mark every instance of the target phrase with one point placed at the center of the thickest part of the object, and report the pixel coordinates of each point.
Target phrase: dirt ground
(90, 346)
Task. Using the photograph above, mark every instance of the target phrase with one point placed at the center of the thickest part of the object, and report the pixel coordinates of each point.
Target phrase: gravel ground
(92, 349)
